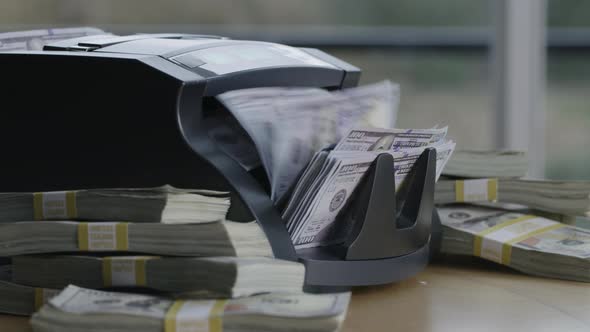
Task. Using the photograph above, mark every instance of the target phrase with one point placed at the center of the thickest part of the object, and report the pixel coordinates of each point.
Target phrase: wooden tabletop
(457, 295)
(470, 295)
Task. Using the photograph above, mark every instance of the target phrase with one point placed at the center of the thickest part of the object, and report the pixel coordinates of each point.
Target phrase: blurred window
(437, 51)
(568, 85)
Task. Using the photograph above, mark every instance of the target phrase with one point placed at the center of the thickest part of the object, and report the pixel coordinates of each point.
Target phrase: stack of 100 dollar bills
(161, 239)
(488, 210)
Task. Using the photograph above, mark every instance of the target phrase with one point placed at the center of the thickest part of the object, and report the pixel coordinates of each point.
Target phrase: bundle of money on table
(527, 243)
(490, 176)
(209, 272)
(222, 258)
(80, 310)
(488, 210)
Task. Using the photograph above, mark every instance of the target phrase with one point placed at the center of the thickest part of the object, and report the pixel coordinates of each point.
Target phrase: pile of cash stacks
(489, 210)
(167, 259)
(149, 259)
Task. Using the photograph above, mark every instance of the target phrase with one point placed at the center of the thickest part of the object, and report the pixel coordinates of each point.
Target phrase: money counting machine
(138, 111)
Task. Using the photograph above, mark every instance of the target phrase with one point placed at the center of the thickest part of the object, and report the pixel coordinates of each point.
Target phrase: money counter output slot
(384, 244)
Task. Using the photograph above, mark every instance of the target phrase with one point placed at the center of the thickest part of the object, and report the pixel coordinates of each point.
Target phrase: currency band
(195, 316)
(55, 205)
(124, 271)
(478, 190)
(103, 236)
(495, 243)
(42, 295)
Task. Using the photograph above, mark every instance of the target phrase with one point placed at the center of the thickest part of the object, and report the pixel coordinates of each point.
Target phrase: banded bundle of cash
(530, 244)
(331, 178)
(487, 164)
(562, 197)
(221, 238)
(34, 40)
(226, 277)
(165, 204)
(22, 300)
(288, 125)
(81, 310)
(174, 222)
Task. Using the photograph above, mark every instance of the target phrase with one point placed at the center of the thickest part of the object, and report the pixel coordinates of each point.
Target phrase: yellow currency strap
(492, 189)
(215, 316)
(215, 319)
(38, 206)
(170, 319)
(39, 300)
(479, 236)
(83, 236)
(71, 210)
(491, 185)
(459, 191)
(121, 236)
(139, 271)
(507, 246)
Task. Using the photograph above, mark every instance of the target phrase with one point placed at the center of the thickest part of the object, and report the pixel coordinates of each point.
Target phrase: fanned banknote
(289, 125)
(255, 111)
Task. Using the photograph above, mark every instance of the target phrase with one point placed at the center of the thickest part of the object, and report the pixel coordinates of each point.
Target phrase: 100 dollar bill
(315, 229)
(377, 139)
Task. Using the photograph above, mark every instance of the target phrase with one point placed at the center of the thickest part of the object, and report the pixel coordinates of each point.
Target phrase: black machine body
(138, 111)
